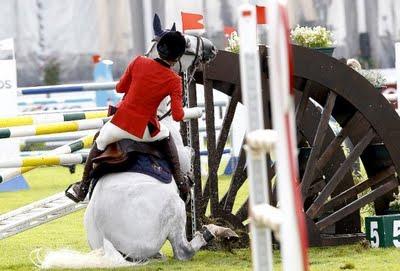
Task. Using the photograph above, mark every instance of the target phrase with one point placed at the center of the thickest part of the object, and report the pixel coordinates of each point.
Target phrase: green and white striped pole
(85, 142)
(50, 118)
(45, 160)
(52, 128)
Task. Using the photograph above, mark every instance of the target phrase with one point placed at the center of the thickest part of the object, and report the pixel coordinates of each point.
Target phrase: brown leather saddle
(118, 152)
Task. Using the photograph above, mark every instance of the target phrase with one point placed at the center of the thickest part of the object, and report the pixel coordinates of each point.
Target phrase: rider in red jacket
(146, 82)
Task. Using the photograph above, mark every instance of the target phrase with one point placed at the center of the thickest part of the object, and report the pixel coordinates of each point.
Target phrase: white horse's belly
(133, 211)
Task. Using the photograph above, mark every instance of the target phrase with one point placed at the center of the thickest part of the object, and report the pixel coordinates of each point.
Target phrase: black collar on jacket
(162, 62)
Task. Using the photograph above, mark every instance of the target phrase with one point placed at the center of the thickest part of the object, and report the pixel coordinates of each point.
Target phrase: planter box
(383, 231)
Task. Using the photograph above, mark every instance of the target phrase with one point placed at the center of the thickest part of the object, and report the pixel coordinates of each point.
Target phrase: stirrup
(71, 196)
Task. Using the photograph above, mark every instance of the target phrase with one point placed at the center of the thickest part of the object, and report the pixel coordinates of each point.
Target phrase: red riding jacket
(146, 82)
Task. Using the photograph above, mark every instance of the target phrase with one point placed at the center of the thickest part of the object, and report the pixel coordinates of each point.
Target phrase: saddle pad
(138, 162)
(152, 166)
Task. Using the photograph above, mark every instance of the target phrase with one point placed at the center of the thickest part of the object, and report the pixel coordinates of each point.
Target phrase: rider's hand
(192, 113)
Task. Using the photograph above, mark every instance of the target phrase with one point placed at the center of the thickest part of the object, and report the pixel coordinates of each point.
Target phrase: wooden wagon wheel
(326, 90)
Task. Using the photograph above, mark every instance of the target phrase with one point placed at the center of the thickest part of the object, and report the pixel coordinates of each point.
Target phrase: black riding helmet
(171, 46)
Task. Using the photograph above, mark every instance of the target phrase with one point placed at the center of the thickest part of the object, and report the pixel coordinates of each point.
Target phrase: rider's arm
(126, 79)
(176, 100)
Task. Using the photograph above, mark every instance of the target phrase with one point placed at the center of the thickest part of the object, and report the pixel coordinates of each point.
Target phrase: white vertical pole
(147, 21)
(257, 169)
(397, 46)
(292, 234)
(8, 94)
(361, 21)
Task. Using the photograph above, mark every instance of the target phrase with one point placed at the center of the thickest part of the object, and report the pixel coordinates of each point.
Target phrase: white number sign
(396, 233)
(374, 234)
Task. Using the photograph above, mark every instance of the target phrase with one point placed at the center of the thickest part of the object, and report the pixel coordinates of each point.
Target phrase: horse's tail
(106, 257)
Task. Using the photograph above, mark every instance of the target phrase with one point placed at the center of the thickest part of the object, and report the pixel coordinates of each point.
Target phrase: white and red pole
(250, 75)
(293, 232)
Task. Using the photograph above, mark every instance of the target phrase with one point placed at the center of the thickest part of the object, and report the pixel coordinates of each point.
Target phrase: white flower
(374, 77)
(312, 37)
(354, 64)
(233, 43)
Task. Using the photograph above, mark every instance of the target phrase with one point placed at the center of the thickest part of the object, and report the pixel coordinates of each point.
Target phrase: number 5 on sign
(374, 235)
(396, 233)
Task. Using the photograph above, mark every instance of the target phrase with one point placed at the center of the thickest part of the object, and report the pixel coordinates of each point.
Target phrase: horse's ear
(173, 28)
(157, 25)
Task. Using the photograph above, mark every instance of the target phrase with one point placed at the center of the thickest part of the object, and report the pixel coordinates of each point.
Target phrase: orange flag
(228, 30)
(191, 21)
(261, 15)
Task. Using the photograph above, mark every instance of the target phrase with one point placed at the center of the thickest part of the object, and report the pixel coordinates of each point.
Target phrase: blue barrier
(46, 102)
(67, 88)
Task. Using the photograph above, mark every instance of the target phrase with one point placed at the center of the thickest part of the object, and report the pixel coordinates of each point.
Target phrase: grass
(68, 232)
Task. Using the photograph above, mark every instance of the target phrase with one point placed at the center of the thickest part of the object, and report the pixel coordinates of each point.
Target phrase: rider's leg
(108, 134)
(167, 146)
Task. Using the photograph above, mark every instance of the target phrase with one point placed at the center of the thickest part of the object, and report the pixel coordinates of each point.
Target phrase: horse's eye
(188, 43)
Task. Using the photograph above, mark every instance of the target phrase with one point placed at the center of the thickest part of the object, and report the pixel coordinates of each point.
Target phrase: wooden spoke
(316, 187)
(356, 122)
(223, 136)
(339, 174)
(301, 108)
(317, 144)
(357, 204)
(211, 146)
(227, 122)
(238, 179)
(194, 138)
(273, 197)
(355, 190)
(243, 213)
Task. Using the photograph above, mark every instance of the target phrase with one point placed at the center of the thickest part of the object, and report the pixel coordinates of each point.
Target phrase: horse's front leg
(184, 250)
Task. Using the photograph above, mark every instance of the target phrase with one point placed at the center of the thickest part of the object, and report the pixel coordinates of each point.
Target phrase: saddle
(131, 156)
(118, 152)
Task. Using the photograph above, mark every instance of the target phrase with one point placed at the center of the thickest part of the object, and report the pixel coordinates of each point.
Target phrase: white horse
(131, 215)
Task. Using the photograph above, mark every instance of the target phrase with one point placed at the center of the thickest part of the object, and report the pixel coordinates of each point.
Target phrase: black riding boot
(168, 148)
(78, 191)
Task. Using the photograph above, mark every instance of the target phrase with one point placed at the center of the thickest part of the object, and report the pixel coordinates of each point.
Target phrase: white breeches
(111, 133)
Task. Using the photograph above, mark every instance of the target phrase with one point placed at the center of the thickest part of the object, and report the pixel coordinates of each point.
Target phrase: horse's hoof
(229, 234)
(222, 232)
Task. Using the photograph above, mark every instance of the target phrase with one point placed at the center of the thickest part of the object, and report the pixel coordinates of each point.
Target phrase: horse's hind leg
(183, 250)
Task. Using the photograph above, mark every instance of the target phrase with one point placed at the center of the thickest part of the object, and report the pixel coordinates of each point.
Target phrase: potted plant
(233, 43)
(394, 206)
(374, 77)
(317, 38)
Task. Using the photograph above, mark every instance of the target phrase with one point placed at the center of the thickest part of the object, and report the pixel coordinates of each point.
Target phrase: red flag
(228, 30)
(261, 15)
(191, 21)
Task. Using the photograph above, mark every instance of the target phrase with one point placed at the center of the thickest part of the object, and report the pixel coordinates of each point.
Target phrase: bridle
(193, 67)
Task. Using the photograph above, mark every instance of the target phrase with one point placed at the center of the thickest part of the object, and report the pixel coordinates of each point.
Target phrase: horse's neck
(185, 61)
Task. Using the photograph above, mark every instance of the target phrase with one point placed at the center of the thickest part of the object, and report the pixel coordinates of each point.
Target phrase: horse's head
(198, 49)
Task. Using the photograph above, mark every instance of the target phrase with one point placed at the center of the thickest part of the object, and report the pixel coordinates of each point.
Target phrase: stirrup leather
(71, 196)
